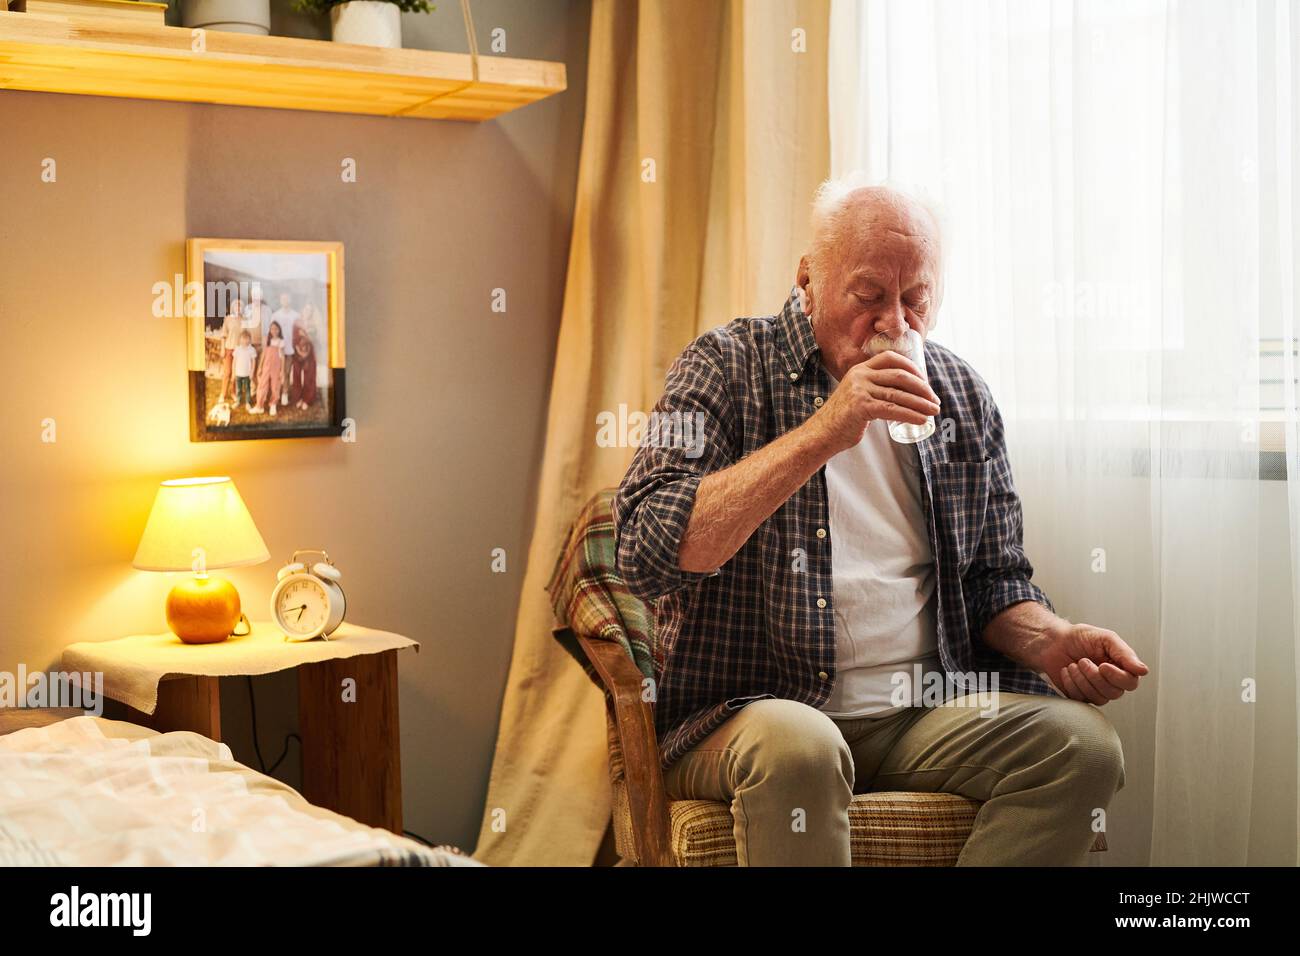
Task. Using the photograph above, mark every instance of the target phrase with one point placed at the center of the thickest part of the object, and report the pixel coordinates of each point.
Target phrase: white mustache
(884, 342)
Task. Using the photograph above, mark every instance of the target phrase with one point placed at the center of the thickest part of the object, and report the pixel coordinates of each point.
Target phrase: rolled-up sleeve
(999, 575)
(691, 435)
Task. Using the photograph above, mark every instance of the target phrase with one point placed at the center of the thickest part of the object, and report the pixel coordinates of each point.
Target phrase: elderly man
(805, 569)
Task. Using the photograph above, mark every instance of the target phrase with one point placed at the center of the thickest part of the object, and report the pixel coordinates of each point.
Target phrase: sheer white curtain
(1116, 186)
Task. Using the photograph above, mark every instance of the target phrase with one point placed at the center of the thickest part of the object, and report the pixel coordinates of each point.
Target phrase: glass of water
(912, 345)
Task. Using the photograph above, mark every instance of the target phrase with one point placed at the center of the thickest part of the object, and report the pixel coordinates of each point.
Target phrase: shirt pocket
(961, 496)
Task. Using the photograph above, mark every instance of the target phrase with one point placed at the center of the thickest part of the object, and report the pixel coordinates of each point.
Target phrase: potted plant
(368, 22)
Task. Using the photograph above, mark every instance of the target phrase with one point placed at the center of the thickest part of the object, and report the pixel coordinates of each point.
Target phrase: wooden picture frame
(231, 292)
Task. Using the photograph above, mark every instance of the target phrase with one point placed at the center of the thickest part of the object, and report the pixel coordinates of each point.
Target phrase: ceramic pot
(367, 22)
(228, 16)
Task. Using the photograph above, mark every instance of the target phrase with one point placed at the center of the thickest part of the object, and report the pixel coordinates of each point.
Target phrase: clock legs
(351, 748)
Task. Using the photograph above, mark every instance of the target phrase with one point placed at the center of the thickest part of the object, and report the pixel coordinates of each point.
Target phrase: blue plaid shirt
(762, 625)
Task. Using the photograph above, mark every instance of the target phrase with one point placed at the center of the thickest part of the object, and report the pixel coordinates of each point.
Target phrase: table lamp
(199, 525)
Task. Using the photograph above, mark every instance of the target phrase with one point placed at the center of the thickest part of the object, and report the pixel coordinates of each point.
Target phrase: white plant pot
(368, 22)
(228, 16)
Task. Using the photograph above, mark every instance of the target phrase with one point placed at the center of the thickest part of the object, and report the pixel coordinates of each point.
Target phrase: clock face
(302, 606)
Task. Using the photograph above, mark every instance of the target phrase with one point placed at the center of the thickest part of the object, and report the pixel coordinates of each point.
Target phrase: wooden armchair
(886, 829)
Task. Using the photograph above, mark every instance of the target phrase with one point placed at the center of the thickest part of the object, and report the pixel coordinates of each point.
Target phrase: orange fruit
(203, 610)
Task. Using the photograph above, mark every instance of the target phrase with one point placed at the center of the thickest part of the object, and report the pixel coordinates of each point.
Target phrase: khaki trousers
(1044, 768)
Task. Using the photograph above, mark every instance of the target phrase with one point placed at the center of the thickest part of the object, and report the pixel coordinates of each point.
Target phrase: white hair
(830, 203)
(833, 194)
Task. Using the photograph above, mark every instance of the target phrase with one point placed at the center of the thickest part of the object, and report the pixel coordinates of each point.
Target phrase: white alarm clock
(307, 601)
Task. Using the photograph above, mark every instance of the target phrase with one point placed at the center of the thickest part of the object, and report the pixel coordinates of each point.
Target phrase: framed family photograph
(266, 344)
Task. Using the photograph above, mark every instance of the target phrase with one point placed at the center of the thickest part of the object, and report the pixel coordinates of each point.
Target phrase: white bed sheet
(94, 792)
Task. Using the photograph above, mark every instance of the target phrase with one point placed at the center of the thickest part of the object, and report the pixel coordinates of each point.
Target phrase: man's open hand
(1091, 663)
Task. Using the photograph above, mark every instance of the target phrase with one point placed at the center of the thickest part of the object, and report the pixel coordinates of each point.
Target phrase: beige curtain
(705, 136)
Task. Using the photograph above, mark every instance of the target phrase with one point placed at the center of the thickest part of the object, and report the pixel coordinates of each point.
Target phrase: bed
(87, 791)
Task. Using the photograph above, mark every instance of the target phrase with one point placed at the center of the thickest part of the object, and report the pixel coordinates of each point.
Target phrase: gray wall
(449, 397)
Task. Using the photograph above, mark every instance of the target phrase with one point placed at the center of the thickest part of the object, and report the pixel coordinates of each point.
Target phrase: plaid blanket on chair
(591, 599)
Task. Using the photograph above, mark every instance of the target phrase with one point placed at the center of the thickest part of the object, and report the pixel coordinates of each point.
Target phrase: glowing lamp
(200, 525)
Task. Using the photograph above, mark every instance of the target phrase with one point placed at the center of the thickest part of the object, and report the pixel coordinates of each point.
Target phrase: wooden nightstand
(351, 751)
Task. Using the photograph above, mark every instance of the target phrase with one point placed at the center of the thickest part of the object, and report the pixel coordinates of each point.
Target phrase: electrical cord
(257, 747)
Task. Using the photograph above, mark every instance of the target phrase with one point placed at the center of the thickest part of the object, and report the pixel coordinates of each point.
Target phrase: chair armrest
(634, 720)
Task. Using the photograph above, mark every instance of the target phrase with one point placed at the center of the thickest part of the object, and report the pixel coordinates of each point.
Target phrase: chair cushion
(910, 829)
(886, 829)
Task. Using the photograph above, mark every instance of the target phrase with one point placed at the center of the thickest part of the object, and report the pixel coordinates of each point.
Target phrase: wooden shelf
(92, 57)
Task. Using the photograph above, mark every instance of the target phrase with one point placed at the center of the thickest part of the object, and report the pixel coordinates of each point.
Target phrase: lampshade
(205, 513)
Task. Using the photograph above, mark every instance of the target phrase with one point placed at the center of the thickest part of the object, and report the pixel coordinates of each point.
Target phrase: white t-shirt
(286, 318)
(245, 361)
(882, 571)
